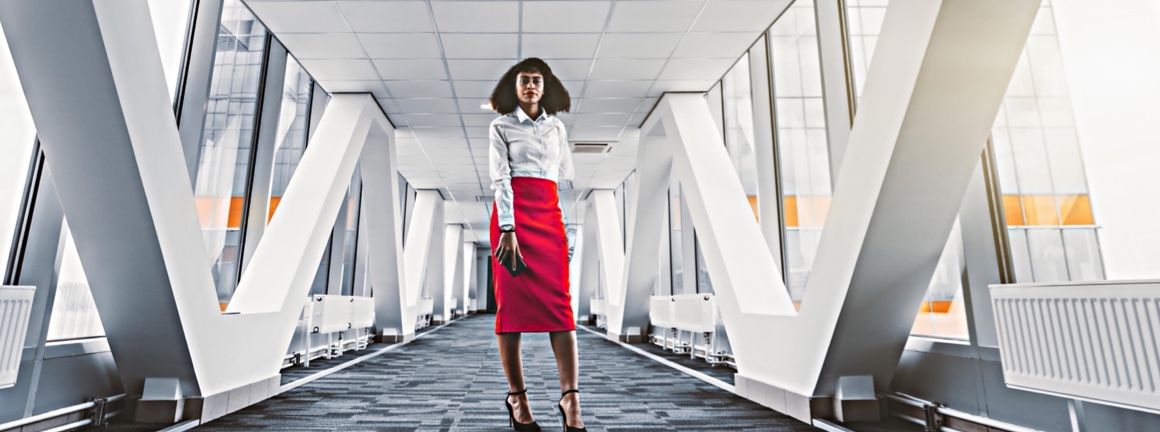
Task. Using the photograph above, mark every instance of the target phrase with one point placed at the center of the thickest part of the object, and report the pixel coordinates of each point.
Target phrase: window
(223, 166)
(802, 143)
(290, 141)
(350, 227)
(1051, 226)
(17, 138)
(738, 115)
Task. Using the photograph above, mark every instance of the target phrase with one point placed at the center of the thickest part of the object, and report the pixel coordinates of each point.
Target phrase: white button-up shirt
(522, 147)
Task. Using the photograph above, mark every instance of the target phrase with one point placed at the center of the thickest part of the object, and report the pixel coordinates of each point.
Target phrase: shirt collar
(522, 116)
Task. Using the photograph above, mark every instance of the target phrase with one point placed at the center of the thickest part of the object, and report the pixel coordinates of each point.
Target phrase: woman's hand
(508, 248)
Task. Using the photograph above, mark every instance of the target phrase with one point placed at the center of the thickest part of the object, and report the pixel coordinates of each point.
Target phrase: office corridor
(451, 379)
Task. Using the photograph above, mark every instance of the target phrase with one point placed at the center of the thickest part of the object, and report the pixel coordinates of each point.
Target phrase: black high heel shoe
(522, 427)
(560, 405)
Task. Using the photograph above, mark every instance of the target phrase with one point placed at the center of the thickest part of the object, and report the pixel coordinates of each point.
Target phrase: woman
(530, 161)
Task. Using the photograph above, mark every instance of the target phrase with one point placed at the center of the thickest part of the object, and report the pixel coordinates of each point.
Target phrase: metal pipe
(56, 413)
(70, 426)
(919, 403)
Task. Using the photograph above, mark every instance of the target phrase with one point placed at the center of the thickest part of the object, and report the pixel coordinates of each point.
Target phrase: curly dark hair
(555, 97)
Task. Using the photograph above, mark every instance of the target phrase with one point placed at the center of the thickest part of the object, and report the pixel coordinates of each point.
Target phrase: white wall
(1111, 55)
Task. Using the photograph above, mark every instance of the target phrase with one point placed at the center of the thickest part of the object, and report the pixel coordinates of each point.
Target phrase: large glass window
(17, 138)
(227, 142)
(676, 241)
(290, 141)
(1050, 222)
(802, 144)
(738, 115)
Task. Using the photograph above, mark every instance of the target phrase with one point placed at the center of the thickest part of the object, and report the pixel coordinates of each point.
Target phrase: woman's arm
(566, 173)
(501, 177)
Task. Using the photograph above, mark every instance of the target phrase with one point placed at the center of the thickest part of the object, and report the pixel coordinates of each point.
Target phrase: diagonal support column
(939, 74)
(99, 99)
(453, 269)
(423, 238)
(384, 235)
(628, 305)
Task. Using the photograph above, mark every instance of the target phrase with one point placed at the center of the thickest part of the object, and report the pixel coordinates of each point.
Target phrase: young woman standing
(530, 162)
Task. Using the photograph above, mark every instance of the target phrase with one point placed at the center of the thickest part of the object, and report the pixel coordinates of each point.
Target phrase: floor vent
(590, 148)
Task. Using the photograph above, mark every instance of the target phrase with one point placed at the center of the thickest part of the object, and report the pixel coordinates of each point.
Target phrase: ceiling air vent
(590, 148)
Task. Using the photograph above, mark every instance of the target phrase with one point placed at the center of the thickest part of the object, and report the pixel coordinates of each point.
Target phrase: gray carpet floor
(451, 380)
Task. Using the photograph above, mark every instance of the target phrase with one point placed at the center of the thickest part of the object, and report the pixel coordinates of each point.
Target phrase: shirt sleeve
(566, 173)
(501, 176)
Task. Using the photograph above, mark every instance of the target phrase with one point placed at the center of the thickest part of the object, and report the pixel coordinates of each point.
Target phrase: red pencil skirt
(539, 299)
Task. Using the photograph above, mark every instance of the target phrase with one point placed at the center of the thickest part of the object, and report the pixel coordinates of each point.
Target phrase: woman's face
(529, 87)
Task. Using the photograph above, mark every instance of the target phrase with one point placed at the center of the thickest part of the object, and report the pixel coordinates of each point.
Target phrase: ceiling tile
(616, 88)
(423, 133)
(715, 45)
(480, 45)
(322, 45)
(387, 16)
(599, 120)
(419, 89)
(596, 134)
(626, 69)
(475, 88)
(618, 105)
(476, 120)
(559, 46)
(432, 120)
(480, 17)
(743, 16)
(428, 106)
(638, 45)
(421, 69)
(696, 69)
(571, 70)
(479, 69)
(478, 132)
(339, 69)
(472, 106)
(300, 17)
(565, 17)
(653, 16)
(401, 45)
(389, 106)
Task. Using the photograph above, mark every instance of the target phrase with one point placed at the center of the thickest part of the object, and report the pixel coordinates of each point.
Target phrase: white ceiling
(432, 63)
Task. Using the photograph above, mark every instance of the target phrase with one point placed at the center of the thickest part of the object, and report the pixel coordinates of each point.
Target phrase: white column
(452, 269)
(940, 72)
(98, 79)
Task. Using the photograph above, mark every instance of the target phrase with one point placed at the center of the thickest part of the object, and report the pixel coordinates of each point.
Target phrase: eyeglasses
(535, 81)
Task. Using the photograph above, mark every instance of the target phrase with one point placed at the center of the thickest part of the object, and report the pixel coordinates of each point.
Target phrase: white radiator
(332, 313)
(15, 311)
(660, 311)
(695, 312)
(1098, 342)
(596, 306)
(363, 312)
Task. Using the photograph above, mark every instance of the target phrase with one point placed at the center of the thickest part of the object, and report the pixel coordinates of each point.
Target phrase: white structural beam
(588, 253)
(423, 251)
(102, 110)
(467, 276)
(938, 76)
(383, 226)
(609, 248)
(452, 269)
(628, 295)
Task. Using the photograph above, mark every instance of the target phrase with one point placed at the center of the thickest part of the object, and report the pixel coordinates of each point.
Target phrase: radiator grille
(1093, 342)
(15, 309)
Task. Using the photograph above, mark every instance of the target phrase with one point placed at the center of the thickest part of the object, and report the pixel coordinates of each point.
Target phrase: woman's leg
(568, 365)
(509, 356)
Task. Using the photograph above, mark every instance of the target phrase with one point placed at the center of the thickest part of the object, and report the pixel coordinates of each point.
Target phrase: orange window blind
(1076, 210)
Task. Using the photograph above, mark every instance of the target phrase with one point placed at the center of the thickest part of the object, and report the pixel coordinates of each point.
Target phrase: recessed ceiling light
(486, 106)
